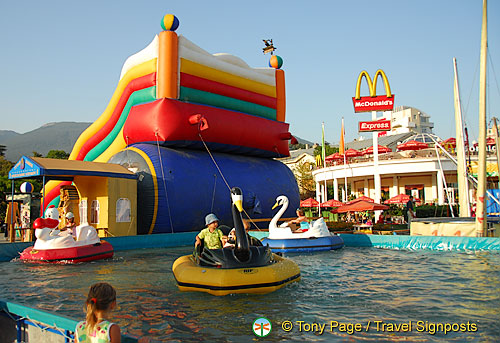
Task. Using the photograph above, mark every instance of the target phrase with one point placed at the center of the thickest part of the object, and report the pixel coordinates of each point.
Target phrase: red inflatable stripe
(134, 85)
(202, 84)
(167, 120)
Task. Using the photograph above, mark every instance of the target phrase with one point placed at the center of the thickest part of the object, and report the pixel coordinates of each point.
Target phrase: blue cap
(210, 218)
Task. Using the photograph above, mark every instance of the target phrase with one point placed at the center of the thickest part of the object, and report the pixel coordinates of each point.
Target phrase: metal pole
(12, 234)
(481, 217)
(443, 179)
(469, 176)
(497, 144)
(463, 183)
(376, 172)
(43, 199)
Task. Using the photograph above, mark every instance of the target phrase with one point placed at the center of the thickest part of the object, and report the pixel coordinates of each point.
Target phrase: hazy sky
(61, 60)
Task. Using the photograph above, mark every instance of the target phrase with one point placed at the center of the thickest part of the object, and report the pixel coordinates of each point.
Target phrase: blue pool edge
(9, 251)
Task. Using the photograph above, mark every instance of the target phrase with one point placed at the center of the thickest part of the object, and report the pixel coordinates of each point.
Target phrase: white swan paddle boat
(53, 245)
(316, 238)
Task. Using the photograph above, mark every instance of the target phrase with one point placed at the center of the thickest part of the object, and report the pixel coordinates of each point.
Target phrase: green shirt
(212, 239)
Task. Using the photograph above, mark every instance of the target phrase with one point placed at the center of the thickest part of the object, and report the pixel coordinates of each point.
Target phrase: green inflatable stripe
(211, 99)
(138, 97)
(54, 202)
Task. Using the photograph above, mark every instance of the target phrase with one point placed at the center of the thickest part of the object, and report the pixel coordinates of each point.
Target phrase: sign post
(374, 103)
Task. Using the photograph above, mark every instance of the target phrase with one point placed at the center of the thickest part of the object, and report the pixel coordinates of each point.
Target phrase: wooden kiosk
(103, 195)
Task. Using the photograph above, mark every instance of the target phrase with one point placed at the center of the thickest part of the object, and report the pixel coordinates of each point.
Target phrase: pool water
(346, 290)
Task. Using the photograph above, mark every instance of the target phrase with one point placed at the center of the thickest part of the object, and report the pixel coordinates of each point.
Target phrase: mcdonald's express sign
(373, 102)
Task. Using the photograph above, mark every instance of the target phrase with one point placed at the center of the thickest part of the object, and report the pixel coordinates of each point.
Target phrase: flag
(342, 137)
(323, 149)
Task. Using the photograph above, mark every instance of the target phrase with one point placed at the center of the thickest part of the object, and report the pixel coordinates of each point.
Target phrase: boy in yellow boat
(211, 235)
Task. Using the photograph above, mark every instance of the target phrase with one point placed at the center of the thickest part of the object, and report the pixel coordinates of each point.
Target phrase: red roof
(412, 145)
(353, 153)
(331, 203)
(361, 198)
(400, 199)
(381, 150)
(309, 203)
(360, 206)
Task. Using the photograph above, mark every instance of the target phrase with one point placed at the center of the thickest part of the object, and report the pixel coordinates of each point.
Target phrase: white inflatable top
(47, 238)
(317, 229)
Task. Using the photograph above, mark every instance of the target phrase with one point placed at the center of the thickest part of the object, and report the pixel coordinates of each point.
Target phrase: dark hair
(101, 296)
(301, 212)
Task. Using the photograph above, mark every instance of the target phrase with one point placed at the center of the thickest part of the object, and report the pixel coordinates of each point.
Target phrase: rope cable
(213, 193)
(494, 74)
(164, 183)
(220, 172)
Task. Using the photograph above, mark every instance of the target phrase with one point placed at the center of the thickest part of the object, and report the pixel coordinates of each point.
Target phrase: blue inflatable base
(304, 244)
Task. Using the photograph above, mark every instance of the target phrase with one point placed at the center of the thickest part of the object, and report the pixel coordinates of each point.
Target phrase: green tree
(5, 184)
(305, 181)
(296, 146)
(37, 154)
(3, 148)
(59, 154)
(328, 150)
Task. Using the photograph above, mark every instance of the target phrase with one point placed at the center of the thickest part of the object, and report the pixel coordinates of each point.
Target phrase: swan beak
(238, 201)
(239, 205)
(275, 205)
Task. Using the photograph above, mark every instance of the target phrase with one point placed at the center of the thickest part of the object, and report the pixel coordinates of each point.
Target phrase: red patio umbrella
(381, 150)
(413, 145)
(309, 203)
(361, 198)
(360, 206)
(352, 153)
(335, 156)
(489, 141)
(399, 199)
(450, 142)
(331, 203)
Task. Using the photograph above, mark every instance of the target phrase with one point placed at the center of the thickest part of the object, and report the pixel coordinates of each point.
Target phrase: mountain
(303, 141)
(7, 134)
(52, 136)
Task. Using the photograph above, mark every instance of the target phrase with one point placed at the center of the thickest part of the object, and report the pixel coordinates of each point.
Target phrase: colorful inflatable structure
(192, 124)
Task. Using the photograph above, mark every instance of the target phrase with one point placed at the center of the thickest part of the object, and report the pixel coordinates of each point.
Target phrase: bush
(426, 211)
(340, 226)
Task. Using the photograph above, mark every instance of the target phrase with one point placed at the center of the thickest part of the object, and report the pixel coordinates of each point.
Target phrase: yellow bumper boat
(242, 269)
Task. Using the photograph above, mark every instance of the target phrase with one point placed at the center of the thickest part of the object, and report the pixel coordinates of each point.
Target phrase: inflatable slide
(193, 125)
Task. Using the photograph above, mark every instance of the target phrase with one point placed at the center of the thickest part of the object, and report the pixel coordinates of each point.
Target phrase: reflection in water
(352, 285)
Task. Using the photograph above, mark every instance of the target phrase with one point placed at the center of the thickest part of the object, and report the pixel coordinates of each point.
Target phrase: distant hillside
(6, 135)
(52, 136)
(303, 141)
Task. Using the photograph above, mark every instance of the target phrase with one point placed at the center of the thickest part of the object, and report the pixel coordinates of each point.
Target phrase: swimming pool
(345, 292)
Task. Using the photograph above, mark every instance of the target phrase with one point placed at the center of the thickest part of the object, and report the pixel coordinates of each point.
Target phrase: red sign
(375, 103)
(370, 126)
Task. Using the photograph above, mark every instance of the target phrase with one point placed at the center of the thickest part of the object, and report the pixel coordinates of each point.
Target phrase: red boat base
(77, 254)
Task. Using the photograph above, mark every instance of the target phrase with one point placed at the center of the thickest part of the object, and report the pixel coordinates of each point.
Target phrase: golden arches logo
(373, 102)
(372, 85)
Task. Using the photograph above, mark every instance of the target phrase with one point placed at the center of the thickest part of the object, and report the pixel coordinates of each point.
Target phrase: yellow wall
(107, 191)
(94, 188)
(122, 188)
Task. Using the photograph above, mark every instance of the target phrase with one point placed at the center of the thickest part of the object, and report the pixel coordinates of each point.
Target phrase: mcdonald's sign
(373, 102)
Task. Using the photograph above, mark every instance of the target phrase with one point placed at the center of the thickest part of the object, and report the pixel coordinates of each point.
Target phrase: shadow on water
(348, 286)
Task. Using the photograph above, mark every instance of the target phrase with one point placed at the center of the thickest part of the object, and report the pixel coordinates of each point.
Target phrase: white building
(408, 119)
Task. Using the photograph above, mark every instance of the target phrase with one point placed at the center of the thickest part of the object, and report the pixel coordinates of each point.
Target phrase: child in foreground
(101, 300)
